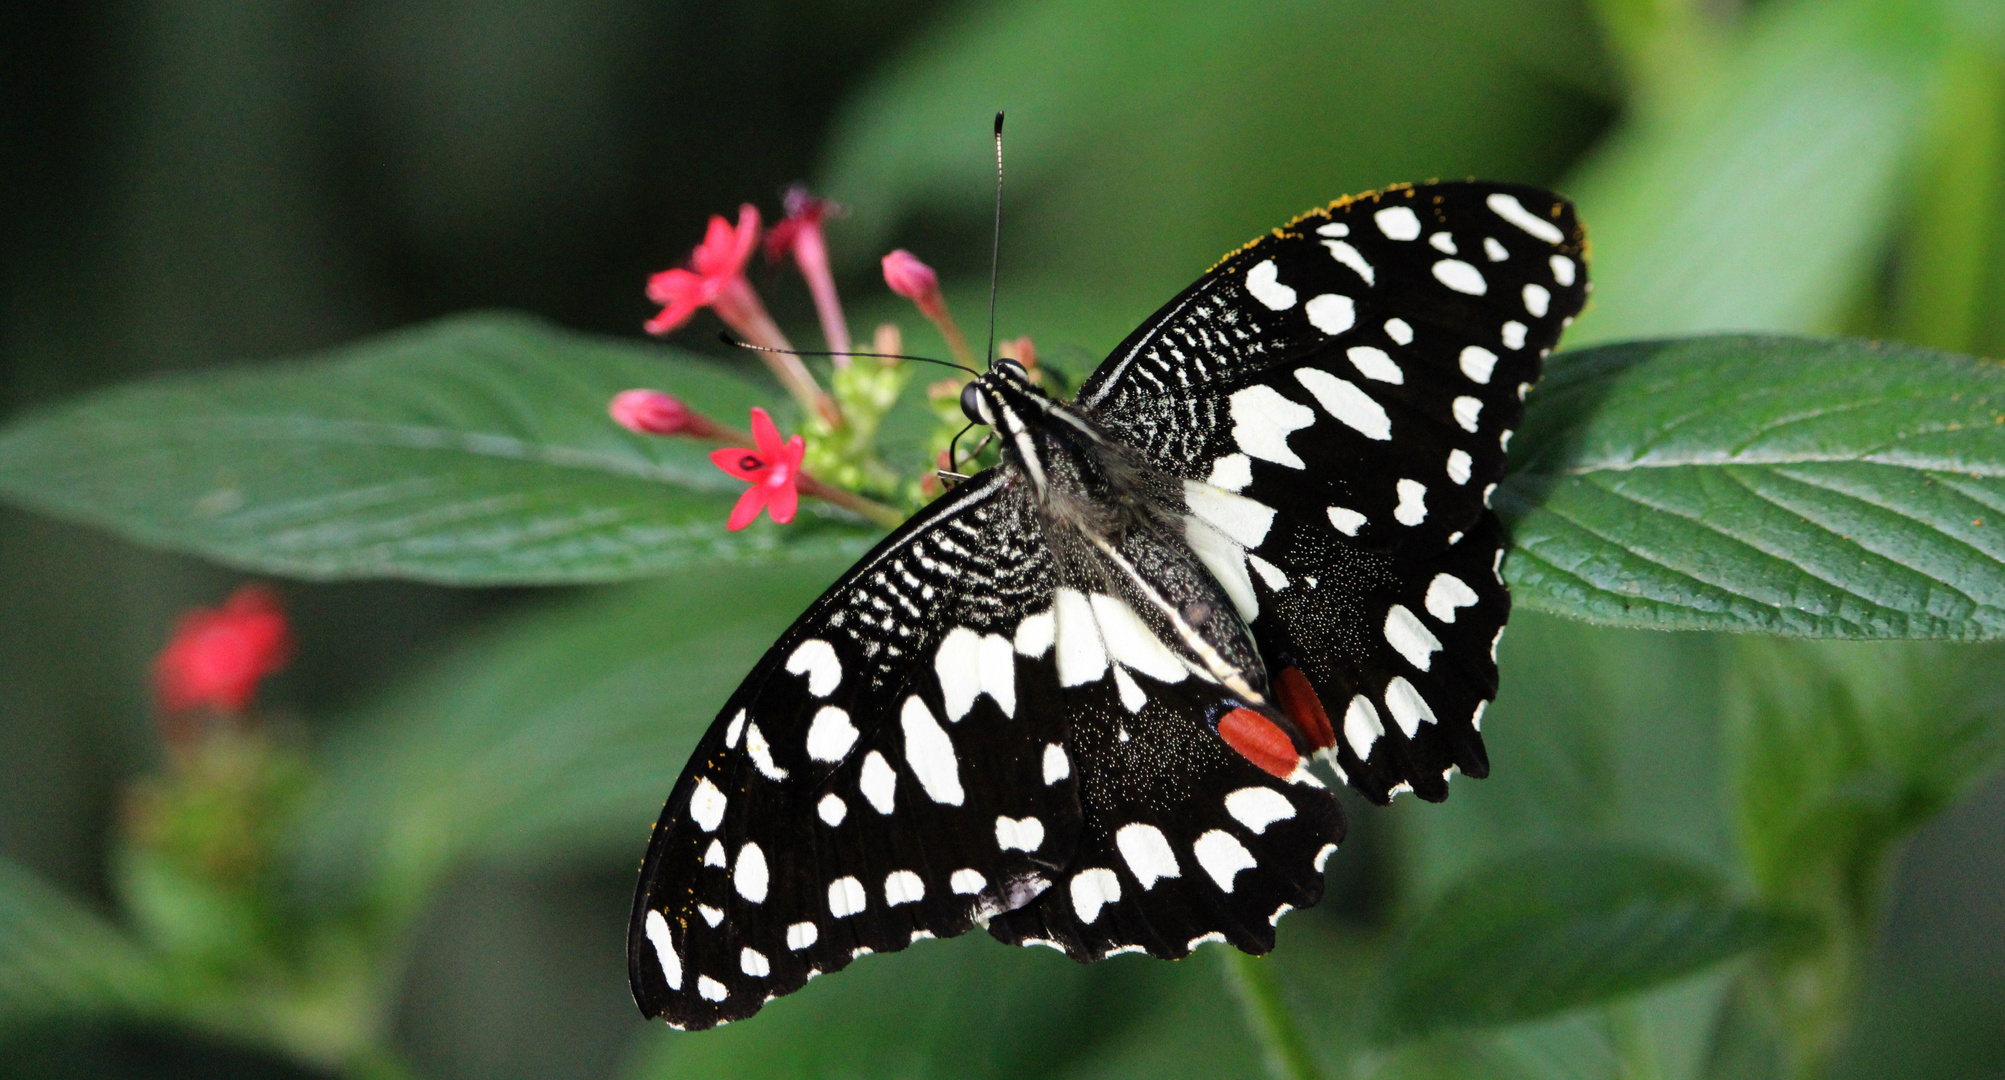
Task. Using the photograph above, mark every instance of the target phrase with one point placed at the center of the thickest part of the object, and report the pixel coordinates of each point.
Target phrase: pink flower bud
(217, 656)
(649, 412)
(911, 279)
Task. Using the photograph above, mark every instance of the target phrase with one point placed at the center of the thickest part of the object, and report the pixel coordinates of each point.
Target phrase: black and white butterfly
(1074, 700)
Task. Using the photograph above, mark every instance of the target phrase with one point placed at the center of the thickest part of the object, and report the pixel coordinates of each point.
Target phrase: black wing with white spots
(895, 768)
(1354, 379)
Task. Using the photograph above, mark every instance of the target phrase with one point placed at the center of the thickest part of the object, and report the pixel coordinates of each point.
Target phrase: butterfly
(1075, 699)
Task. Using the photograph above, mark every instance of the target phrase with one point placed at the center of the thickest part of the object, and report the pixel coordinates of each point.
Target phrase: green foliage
(1811, 488)
(1548, 930)
(59, 960)
(473, 451)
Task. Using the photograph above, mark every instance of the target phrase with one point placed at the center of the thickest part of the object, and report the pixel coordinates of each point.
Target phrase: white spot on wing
(1130, 641)
(1227, 562)
(1562, 270)
(930, 753)
(1244, 520)
(1408, 708)
(714, 854)
(1263, 281)
(1409, 638)
(706, 805)
(1446, 593)
(1233, 472)
(1323, 856)
(1056, 765)
(1332, 313)
(1373, 363)
(958, 664)
(1013, 834)
(1442, 242)
(1205, 938)
(1494, 250)
(1222, 856)
(1537, 300)
(1273, 575)
(1459, 465)
(1343, 400)
(1081, 656)
(1412, 508)
(749, 876)
(664, 950)
(1514, 334)
(1349, 256)
(1132, 697)
(1399, 331)
(1466, 410)
(817, 659)
(967, 882)
(830, 735)
(732, 732)
(761, 753)
(1334, 228)
(1147, 853)
(801, 935)
(1034, 634)
(878, 782)
(1362, 727)
(753, 962)
(1461, 277)
(710, 988)
(832, 809)
(1398, 223)
(1477, 363)
(1346, 521)
(1258, 807)
(1510, 209)
(1092, 890)
(1262, 420)
(711, 915)
(903, 887)
(846, 897)
(998, 669)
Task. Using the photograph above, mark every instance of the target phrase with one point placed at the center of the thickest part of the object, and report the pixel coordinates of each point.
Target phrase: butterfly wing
(1355, 377)
(894, 768)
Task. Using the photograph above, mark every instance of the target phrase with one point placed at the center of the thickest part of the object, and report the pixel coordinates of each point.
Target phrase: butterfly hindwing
(894, 768)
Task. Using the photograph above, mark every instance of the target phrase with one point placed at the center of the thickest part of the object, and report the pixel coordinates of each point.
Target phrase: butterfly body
(1075, 699)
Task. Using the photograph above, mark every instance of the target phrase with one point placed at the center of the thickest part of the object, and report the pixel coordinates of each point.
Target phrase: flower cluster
(834, 457)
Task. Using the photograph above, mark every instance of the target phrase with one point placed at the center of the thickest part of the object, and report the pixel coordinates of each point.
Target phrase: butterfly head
(1005, 378)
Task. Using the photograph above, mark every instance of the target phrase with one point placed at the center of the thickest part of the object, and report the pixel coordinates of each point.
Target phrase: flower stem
(1267, 1016)
(869, 509)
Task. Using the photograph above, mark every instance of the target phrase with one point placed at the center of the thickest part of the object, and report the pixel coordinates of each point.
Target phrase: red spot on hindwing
(1299, 701)
(1260, 741)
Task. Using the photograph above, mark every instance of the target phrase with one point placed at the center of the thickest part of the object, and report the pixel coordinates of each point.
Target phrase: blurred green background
(190, 183)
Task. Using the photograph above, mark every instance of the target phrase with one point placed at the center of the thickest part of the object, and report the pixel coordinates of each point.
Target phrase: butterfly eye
(971, 404)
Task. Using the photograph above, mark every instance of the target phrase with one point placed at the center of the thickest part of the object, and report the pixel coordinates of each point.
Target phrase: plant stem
(1267, 1016)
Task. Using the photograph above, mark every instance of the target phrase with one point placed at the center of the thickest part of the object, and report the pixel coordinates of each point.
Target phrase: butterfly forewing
(1348, 386)
(895, 768)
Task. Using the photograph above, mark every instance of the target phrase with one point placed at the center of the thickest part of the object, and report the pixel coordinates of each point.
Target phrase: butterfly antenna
(726, 338)
(995, 246)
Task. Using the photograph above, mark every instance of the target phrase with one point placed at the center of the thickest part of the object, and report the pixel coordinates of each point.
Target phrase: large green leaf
(1549, 930)
(1819, 488)
(474, 450)
(59, 960)
(560, 734)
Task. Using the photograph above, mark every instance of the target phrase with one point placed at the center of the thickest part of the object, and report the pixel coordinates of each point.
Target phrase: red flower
(774, 470)
(800, 235)
(217, 656)
(716, 266)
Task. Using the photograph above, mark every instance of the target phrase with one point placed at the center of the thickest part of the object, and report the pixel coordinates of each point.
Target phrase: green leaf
(475, 450)
(59, 960)
(964, 1008)
(1555, 929)
(558, 735)
(1815, 488)
(1757, 198)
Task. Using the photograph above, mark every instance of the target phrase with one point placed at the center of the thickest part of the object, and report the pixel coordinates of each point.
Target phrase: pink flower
(773, 469)
(717, 271)
(649, 412)
(217, 656)
(800, 235)
(915, 281)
